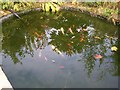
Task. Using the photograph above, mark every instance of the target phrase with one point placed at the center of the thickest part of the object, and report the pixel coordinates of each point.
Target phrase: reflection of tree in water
(67, 38)
(90, 45)
(68, 43)
(18, 42)
(109, 61)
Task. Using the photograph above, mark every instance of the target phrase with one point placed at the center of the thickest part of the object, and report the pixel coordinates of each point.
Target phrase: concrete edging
(4, 82)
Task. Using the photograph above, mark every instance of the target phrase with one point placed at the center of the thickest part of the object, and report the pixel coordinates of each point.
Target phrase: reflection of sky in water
(34, 52)
(41, 72)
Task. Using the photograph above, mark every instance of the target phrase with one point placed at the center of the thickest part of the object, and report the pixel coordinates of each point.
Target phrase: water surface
(46, 50)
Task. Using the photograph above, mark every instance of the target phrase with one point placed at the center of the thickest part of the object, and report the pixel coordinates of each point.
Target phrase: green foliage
(107, 9)
(108, 12)
(50, 6)
(7, 5)
(17, 6)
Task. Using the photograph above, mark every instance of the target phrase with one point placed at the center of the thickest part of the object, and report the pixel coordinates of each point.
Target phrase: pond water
(62, 50)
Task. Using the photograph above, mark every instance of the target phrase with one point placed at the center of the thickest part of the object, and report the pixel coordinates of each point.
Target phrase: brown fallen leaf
(69, 44)
(70, 30)
(96, 37)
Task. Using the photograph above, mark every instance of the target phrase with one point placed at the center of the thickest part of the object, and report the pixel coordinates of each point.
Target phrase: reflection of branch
(101, 75)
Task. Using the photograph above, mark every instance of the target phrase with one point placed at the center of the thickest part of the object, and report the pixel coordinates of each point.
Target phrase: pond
(67, 49)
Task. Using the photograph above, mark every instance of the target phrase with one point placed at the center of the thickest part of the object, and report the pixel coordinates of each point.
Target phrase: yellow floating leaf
(62, 30)
(114, 48)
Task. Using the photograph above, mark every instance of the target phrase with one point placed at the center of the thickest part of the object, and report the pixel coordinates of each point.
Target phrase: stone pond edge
(111, 20)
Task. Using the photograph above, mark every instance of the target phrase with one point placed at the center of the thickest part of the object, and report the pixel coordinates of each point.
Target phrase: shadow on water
(65, 40)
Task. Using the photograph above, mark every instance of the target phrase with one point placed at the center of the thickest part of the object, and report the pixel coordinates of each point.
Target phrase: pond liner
(5, 83)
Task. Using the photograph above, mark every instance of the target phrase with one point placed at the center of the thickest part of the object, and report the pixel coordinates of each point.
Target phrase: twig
(14, 13)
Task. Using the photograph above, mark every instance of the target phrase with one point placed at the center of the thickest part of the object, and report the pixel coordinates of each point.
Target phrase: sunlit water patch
(62, 50)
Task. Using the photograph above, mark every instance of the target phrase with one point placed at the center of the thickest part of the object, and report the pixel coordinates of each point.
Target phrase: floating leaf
(81, 39)
(96, 37)
(114, 48)
(98, 56)
(69, 44)
(62, 30)
(70, 30)
(72, 37)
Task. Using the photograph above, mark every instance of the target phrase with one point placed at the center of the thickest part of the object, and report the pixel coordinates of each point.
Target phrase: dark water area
(62, 50)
